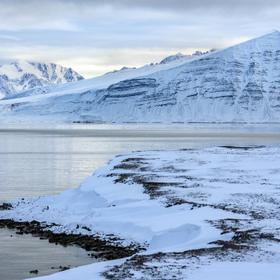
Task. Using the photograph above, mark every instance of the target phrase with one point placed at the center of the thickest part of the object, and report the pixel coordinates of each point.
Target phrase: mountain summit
(24, 75)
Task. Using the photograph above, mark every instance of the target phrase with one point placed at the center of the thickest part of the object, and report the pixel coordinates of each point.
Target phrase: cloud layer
(98, 36)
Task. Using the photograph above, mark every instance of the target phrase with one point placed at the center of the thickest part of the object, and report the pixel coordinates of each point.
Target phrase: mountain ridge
(236, 84)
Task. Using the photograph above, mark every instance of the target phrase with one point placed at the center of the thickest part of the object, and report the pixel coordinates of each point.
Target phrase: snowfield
(198, 214)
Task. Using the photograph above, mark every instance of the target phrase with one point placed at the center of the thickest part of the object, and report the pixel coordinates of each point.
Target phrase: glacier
(237, 84)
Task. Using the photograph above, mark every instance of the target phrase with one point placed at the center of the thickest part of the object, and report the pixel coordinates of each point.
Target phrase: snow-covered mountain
(240, 83)
(24, 75)
(180, 56)
(110, 77)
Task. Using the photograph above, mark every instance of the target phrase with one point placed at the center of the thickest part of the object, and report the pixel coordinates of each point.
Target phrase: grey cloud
(65, 29)
(69, 15)
(183, 5)
(68, 6)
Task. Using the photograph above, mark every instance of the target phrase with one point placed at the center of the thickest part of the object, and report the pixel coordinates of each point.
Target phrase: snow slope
(24, 75)
(237, 84)
(177, 203)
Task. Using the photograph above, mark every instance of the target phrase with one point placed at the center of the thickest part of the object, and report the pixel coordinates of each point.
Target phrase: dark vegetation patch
(61, 268)
(155, 188)
(173, 201)
(6, 206)
(172, 169)
(35, 271)
(127, 166)
(123, 178)
(130, 163)
(102, 248)
(243, 236)
(134, 159)
(172, 264)
(235, 209)
(245, 148)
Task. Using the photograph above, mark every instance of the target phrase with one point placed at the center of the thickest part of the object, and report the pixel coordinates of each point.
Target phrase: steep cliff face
(240, 83)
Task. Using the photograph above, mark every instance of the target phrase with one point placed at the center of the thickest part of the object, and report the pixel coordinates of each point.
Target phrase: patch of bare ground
(134, 170)
(175, 265)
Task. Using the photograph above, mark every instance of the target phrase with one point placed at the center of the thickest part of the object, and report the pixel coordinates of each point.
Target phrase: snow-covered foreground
(198, 213)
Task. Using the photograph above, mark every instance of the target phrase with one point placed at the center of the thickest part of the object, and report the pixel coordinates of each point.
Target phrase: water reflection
(25, 253)
(44, 161)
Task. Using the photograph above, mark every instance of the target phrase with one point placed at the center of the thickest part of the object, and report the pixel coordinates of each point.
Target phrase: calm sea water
(36, 161)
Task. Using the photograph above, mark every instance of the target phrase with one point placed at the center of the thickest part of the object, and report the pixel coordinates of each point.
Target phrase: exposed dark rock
(6, 206)
(242, 147)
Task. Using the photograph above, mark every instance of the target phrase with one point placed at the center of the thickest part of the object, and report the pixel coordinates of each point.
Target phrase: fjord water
(20, 254)
(38, 161)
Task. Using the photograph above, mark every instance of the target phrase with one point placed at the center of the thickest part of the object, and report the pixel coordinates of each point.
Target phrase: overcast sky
(95, 36)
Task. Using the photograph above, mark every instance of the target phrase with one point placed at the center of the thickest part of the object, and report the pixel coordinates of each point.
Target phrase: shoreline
(99, 248)
(188, 208)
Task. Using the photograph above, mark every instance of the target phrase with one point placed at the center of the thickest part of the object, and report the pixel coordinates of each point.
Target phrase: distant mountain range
(237, 84)
(23, 75)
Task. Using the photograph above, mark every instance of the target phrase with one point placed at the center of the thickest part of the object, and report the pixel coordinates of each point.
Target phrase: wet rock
(63, 268)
